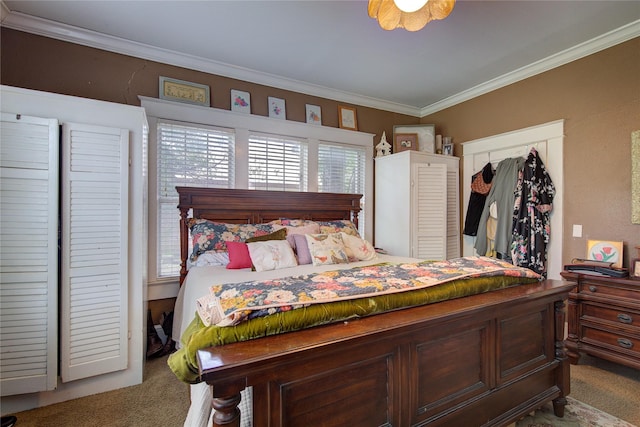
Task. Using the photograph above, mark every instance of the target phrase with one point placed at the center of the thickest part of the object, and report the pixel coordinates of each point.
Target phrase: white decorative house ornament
(383, 148)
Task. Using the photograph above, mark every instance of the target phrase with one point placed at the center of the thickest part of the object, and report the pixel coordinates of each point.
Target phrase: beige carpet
(162, 400)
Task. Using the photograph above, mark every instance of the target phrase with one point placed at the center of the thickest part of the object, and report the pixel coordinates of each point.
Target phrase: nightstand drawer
(612, 314)
(604, 291)
(619, 342)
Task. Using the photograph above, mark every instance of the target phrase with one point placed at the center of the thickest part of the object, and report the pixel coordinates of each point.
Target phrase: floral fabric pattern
(231, 304)
(211, 236)
(531, 223)
(341, 225)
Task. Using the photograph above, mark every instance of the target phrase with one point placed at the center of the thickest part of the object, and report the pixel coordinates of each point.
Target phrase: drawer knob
(625, 318)
(593, 288)
(625, 343)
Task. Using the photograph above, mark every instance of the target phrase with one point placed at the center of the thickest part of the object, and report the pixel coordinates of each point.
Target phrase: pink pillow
(238, 255)
(302, 249)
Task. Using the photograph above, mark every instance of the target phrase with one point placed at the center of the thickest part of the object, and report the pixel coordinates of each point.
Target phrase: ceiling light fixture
(412, 15)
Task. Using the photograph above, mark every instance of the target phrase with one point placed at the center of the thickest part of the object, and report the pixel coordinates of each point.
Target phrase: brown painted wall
(599, 98)
(41, 63)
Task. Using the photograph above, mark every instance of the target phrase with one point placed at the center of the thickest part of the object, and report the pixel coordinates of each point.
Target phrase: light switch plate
(577, 230)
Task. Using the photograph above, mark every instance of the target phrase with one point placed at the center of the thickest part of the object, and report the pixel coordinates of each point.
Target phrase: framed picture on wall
(314, 114)
(405, 141)
(183, 91)
(240, 101)
(276, 108)
(426, 135)
(347, 118)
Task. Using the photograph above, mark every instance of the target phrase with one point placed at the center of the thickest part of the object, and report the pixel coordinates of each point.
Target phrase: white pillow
(357, 249)
(326, 249)
(271, 255)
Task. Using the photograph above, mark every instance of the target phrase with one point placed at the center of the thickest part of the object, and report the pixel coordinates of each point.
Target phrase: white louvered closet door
(429, 193)
(453, 218)
(94, 281)
(28, 254)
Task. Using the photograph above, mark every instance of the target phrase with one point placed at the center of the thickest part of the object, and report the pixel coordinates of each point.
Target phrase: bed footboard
(486, 359)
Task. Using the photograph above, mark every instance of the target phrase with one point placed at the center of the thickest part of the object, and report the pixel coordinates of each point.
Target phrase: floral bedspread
(228, 305)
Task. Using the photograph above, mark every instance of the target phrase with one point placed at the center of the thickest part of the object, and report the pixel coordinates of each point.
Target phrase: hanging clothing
(502, 192)
(480, 187)
(531, 222)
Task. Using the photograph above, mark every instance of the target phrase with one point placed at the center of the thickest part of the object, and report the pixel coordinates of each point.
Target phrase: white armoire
(73, 247)
(417, 205)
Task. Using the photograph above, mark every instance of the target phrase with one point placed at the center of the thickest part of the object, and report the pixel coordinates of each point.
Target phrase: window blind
(188, 155)
(341, 169)
(277, 163)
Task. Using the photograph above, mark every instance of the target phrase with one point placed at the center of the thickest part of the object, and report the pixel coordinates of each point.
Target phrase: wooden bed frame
(482, 360)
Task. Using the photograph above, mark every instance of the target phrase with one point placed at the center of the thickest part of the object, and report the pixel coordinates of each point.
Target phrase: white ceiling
(334, 50)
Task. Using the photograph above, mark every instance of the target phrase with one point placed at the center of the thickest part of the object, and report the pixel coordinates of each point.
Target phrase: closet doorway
(548, 140)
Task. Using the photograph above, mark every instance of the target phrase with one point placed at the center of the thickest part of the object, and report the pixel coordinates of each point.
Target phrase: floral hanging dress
(531, 223)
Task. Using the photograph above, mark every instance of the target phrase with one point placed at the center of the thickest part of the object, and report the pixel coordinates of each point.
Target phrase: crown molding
(56, 30)
(587, 48)
(68, 33)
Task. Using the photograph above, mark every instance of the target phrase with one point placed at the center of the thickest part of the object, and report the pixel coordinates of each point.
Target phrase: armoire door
(28, 254)
(94, 275)
(429, 205)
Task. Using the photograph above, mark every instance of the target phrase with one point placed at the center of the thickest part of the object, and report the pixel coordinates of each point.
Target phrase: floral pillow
(211, 236)
(326, 249)
(358, 249)
(271, 255)
(296, 222)
(341, 225)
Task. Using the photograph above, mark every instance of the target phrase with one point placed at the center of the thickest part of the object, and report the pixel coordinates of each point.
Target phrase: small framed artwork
(347, 118)
(426, 135)
(183, 91)
(314, 114)
(635, 268)
(276, 108)
(447, 149)
(240, 101)
(605, 251)
(405, 141)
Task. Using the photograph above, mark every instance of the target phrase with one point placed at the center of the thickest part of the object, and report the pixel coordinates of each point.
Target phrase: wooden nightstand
(604, 319)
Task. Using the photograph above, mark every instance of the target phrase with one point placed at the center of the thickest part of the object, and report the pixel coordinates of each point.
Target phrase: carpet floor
(603, 394)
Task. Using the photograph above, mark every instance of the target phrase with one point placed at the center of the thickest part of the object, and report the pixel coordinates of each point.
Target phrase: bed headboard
(258, 206)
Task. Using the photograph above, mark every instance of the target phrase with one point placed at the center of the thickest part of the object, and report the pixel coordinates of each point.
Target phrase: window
(341, 169)
(191, 145)
(277, 163)
(192, 155)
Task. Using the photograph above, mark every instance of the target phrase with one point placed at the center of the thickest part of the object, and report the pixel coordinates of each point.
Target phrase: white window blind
(341, 169)
(188, 155)
(277, 163)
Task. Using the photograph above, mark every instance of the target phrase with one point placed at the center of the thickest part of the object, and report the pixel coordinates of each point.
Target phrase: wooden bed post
(184, 243)
(226, 412)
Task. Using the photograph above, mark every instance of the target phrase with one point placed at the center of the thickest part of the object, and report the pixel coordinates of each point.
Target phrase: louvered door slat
(94, 251)
(429, 194)
(28, 254)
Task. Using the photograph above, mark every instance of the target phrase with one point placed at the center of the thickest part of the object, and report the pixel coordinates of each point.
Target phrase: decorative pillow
(357, 249)
(276, 235)
(211, 236)
(326, 249)
(212, 258)
(296, 222)
(238, 255)
(341, 225)
(271, 255)
(301, 247)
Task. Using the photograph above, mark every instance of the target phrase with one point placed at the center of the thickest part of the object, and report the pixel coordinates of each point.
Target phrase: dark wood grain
(486, 359)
